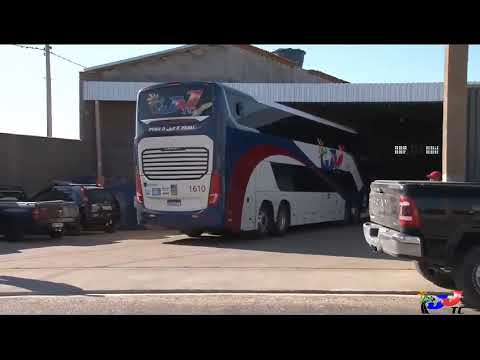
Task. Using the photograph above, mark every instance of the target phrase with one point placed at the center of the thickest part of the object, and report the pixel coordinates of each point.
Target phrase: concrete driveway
(310, 259)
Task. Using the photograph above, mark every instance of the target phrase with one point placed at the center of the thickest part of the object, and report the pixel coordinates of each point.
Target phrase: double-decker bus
(212, 159)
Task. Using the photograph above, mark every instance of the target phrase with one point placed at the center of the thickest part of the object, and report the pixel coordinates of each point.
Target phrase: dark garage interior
(381, 128)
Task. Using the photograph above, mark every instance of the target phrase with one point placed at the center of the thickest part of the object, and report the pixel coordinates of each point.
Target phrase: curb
(225, 292)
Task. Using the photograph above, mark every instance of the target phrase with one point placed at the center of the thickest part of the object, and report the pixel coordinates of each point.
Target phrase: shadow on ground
(85, 239)
(40, 287)
(318, 239)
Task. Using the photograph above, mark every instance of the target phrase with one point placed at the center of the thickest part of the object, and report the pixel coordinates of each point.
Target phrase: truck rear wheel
(433, 275)
(110, 226)
(193, 233)
(468, 277)
(14, 233)
(56, 234)
(76, 230)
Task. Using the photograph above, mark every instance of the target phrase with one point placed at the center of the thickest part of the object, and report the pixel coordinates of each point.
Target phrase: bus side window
(239, 109)
(283, 176)
(298, 178)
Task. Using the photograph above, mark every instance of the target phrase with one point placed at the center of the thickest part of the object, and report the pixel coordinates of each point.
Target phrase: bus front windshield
(172, 108)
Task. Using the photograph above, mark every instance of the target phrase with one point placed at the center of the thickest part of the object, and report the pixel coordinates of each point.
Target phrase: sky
(23, 94)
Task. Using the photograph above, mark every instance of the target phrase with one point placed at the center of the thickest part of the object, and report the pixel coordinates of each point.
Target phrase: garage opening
(394, 140)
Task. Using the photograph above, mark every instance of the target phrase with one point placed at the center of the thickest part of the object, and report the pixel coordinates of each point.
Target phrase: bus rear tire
(283, 220)
(264, 221)
(351, 215)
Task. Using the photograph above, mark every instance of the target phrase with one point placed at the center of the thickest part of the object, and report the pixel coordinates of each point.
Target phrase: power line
(70, 61)
(29, 47)
(51, 52)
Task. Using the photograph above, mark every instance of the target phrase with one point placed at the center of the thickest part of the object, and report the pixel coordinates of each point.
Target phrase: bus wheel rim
(283, 221)
(262, 221)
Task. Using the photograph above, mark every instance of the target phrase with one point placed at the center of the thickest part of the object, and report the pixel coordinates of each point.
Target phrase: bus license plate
(57, 225)
(174, 202)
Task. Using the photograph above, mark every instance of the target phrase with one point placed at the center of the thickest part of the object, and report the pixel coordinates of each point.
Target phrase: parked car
(437, 224)
(19, 216)
(98, 208)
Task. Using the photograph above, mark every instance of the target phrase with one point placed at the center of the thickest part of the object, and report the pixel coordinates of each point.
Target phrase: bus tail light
(139, 190)
(409, 216)
(215, 188)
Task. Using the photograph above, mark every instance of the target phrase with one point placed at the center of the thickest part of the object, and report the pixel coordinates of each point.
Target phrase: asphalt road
(322, 258)
(217, 304)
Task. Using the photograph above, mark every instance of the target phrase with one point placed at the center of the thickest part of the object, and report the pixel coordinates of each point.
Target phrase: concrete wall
(224, 63)
(473, 143)
(32, 161)
(118, 130)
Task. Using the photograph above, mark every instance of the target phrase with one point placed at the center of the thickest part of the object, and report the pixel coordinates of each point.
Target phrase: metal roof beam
(291, 93)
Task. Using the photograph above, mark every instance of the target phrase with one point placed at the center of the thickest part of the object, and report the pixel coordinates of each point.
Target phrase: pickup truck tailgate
(385, 204)
(59, 210)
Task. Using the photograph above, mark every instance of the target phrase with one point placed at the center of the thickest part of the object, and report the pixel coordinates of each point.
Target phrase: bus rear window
(175, 101)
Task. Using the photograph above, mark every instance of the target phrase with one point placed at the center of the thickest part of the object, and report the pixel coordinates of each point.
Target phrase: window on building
(400, 149)
(432, 150)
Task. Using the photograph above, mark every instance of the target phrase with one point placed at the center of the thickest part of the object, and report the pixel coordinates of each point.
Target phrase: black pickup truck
(19, 216)
(437, 224)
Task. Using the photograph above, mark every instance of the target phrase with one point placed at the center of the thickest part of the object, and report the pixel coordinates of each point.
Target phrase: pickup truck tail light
(215, 188)
(36, 214)
(139, 190)
(83, 194)
(40, 214)
(408, 216)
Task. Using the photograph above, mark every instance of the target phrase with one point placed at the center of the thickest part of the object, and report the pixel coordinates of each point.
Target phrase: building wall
(118, 131)
(33, 161)
(473, 138)
(222, 63)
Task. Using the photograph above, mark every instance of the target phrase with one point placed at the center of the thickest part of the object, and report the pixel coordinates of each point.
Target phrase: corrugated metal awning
(281, 92)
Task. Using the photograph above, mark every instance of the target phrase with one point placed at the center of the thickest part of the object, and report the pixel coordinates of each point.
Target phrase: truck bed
(445, 208)
(21, 214)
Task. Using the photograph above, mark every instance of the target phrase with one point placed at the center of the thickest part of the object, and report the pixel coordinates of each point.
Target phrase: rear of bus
(178, 157)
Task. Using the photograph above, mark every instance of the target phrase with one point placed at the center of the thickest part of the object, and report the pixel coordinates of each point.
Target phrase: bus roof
(278, 106)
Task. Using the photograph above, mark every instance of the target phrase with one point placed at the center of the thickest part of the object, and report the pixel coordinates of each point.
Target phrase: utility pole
(49, 91)
(455, 120)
